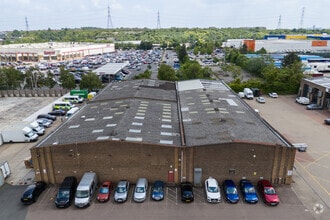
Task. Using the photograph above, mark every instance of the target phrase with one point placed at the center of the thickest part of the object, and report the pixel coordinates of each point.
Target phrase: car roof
(122, 183)
(159, 183)
(229, 183)
(211, 181)
(265, 183)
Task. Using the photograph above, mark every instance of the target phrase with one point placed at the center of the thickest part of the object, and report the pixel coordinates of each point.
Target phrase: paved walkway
(312, 168)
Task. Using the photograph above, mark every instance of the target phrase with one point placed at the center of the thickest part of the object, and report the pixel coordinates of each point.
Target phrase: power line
(302, 17)
(26, 24)
(109, 19)
(158, 21)
(279, 22)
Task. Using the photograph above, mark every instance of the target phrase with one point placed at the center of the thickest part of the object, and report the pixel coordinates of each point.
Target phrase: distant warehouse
(168, 131)
(51, 51)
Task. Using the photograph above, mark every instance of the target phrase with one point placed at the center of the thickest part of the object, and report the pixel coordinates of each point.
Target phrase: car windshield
(121, 189)
(212, 189)
(139, 189)
(187, 193)
(29, 191)
(104, 190)
(270, 191)
(231, 190)
(158, 189)
(249, 190)
(82, 193)
(63, 194)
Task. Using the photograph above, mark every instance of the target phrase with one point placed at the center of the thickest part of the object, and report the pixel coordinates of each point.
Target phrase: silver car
(121, 192)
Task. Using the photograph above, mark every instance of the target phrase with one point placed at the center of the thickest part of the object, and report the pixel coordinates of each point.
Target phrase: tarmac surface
(306, 198)
(311, 175)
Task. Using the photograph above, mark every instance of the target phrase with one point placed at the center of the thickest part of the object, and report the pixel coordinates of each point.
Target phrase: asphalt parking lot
(306, 198)
(170, 208)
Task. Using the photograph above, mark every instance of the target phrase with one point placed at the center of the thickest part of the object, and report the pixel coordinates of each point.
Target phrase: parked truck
(37, 128)
(25, 134)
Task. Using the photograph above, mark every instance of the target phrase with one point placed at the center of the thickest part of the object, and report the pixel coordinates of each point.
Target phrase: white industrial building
(51, 51)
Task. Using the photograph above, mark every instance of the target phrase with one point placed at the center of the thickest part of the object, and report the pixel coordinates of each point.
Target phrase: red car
(268, 193)
(104, 192)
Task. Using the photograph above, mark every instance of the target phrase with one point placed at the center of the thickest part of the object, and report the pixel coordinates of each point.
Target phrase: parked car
(140, 191)
(212, 190)
(104, 192)
(230, 190)
(302, 100)
(248, 191)
(66, 192)
(261, 99)
(32, 192)
(314, 106)
(121, 192)
(47, 116)
(268, 193)
(58, 112)
(187, 193)
(44, 122)
(273, 95)
(157, 190)
(327, 121)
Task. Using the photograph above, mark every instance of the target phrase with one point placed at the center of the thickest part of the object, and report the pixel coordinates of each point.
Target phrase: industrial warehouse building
(317, 89)
(170, 131)
(51, 51)
(284, 43)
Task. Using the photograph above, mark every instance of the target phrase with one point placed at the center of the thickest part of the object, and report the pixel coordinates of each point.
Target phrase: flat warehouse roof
(110, 68)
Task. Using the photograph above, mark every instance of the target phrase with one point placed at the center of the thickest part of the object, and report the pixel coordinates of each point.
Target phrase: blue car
(248, 191)
(157, 190)
(230, 190)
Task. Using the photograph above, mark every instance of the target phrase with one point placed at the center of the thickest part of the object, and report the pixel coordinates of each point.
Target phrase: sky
(58, 14)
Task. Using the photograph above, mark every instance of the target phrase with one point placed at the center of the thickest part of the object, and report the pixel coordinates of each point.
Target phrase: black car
(187, 193)
(57, 112)
(47, 116)
(32, 192)
(66, 192)
(327, 121)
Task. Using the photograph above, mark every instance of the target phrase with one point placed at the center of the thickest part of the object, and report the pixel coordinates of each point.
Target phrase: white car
(212, 190)
(302, 100)
(273, 95)
(261, 99)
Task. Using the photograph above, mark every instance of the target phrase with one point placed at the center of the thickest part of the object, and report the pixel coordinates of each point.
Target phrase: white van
(74, 99)
(140, 191)
(248, 93)
(66, 106)
(72, 111)
(86, 190)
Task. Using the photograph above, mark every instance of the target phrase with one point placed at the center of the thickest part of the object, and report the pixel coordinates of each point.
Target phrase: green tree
(290, 59)
(262, 51)
(67, 79)
(243, 49)
(145, 75)
(255, 66)
(90, 82)
(182, 53)
(49, 80)
(166, 72)
(33, 78)
(145, 45)
(12, 77)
